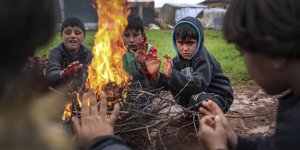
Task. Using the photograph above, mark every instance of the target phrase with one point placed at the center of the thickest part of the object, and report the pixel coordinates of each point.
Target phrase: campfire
(106, 73)
(145, 113)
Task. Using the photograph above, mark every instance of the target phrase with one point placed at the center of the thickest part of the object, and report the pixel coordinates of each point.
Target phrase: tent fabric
(171, 13)
(212, 18)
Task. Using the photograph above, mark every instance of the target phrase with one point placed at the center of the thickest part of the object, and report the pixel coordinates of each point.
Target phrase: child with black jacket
(194, 74)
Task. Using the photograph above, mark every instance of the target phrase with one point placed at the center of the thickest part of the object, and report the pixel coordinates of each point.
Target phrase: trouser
(196, 100)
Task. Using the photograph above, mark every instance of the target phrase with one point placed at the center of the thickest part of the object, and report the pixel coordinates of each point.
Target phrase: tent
(84, 10)
(144, 9)
(171, 13)
(212, 18)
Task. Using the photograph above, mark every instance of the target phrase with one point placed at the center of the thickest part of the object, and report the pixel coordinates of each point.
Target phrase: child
(267, 35)
(136, 42)
(69, 60)
(194, 75)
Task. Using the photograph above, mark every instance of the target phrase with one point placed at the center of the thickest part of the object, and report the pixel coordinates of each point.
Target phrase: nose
(185, 47)
(131, 39)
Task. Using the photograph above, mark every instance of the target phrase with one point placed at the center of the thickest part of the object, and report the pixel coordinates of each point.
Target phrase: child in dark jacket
(267, 35)
(194, 74)
(68, 61)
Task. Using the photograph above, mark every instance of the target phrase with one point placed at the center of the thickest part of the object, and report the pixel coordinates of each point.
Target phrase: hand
(211, 108)
(212, 133)
(71, 69)
(168, 66)
(94, 122)
(153, 65)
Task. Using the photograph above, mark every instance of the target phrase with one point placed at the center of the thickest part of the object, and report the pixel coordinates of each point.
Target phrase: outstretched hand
(168, 65)
(209, 108)
(212, 133)
(71, 69)
(94, 121)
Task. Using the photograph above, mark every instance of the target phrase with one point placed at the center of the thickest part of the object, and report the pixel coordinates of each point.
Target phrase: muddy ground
(252, 115)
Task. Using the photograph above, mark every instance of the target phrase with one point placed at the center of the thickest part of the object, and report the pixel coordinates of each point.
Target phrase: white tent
(171, 13)
(212, 18)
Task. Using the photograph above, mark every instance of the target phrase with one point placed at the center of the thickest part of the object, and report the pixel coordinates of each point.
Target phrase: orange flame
(108, 50)
(67, 112)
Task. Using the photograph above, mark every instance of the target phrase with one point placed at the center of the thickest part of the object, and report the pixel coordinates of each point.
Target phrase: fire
(107, 64)
(67, 112)
(106, 71)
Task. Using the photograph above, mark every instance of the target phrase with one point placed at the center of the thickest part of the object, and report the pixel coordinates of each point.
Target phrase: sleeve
(108, 143)
(54, 67)
(246, 144)
(195, 83)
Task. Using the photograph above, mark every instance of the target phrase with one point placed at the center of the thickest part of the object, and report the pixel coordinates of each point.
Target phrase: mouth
(132, 47)
(72, 41)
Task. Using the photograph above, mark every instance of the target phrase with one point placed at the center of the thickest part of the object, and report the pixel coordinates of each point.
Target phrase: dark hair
(72, 22)
(185, 32)
(271, 27)
(135, 22)
(24, 26)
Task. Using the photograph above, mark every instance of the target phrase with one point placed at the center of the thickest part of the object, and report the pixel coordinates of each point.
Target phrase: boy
(135, 40)
(68, 62)
(268, 39)
(194, 75)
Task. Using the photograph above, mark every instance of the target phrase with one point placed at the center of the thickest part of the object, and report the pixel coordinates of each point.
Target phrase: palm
(153, 66)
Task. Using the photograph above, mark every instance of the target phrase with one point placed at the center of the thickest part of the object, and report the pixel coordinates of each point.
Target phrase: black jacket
(59, 59)
(200, 73)
(287, 131)
(111, 142)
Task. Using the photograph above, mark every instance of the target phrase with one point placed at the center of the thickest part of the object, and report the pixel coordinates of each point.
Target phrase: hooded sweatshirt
(200, 73)
(59, 59)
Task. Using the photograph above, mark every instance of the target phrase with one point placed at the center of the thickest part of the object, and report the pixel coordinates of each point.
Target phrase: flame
(108, 50)
(67, 112)
(106, 68)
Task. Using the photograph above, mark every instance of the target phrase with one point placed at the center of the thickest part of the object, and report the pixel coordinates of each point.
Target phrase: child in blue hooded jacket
(194, 75)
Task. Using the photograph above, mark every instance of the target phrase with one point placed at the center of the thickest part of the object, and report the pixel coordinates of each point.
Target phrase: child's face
(266, 71)
(186, 48)
(72, 38)
(132, 37)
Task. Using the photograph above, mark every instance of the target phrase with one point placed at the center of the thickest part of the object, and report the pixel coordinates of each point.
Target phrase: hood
(197, 25)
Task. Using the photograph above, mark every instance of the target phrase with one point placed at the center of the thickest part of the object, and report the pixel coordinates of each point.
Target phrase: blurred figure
(27, 114)
(267, 35)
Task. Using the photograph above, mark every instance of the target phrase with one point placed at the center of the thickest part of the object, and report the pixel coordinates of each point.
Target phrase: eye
(78, 32)
(68, 32)
(126, 34)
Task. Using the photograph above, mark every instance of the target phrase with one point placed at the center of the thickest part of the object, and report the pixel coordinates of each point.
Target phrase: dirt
(251, 115)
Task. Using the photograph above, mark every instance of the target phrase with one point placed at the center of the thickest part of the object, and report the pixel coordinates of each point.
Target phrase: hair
(24, 26)
(185, 32)
(72, 22)
(135, 22)
(271, 27)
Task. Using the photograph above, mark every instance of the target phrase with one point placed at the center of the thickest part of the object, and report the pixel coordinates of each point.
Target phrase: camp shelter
(212, 18)
(85, 11)
(170, 13)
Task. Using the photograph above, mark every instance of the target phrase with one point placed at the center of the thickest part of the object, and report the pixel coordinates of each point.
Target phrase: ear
(279, 62)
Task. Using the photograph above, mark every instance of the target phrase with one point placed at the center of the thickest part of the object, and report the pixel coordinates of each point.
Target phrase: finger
(85, 111)
(214, 107)
(76, 124)
(209, 120)
(103, 105)
(114, 115)
(93, 103)
(204, 111)
(79, 67)
(218, 124)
